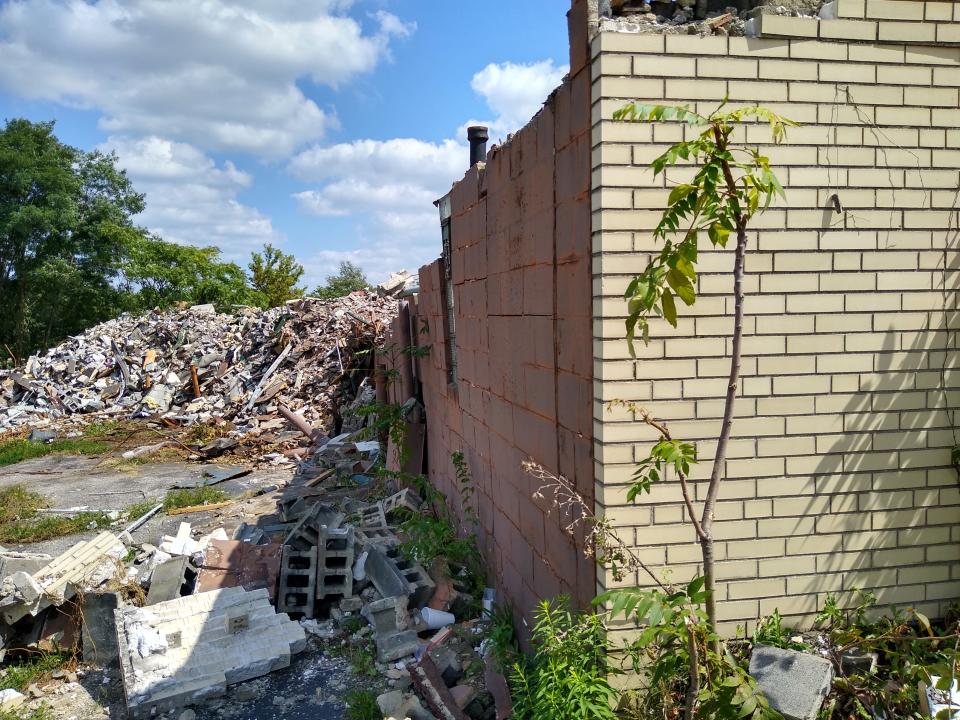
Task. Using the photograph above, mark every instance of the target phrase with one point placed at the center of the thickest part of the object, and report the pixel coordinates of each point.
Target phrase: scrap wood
(320, 478)
(720, 20)
(200, 508)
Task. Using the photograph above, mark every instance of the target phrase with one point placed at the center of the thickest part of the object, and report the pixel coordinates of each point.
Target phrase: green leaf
(718, 234)
(925, 621)
(696, 585)
(749, 705)
(669, 307)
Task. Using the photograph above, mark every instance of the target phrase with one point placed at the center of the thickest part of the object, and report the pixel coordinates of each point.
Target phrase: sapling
(733, 184)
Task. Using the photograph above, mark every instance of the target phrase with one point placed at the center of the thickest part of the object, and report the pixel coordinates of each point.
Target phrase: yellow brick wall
(839, 471)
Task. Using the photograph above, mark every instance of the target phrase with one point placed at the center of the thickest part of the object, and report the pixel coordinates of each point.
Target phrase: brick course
(839, 475)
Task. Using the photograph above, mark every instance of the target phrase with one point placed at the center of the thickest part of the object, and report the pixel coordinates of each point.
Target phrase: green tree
(733, 183)
(160, 273)
(65, 221)
(348, 279)
(274, 275)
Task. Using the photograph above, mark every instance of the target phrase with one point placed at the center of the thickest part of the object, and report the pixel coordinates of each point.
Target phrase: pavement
(70, 481)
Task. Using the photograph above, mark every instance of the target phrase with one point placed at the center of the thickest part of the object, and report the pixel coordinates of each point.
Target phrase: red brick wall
(522, 279)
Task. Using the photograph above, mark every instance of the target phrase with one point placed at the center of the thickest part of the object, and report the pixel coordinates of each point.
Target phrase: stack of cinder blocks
(186, 650)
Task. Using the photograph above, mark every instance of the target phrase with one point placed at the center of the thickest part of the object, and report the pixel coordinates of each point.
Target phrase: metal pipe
(477, 135)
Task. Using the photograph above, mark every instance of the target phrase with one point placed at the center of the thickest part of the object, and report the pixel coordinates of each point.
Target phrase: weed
(910, 649)
(568, 675)
(14, 451)
(502, 636)
(362, 705)
(22, 522)
(41, 713)
(770, 631)
(359, 655)
(202, 433)
(189, 497)
(140, 509)
(20, 675)
(353, 624)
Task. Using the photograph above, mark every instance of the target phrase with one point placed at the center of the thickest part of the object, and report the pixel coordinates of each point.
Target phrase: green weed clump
(20, 675)
(362, 705)
(14, 451)
(188, 497)
(568, 676)
(22, 522)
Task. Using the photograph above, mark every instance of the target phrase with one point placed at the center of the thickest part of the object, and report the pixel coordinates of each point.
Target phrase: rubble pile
(197, 611)
(722, 17)
(197, 365)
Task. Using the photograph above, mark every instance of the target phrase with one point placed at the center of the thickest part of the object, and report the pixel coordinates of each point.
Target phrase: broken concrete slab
(385, 575)
(12, 562)
(171, 579)
(795, 683)
(10, 700)
(86, 565)
(187, 650)
(99, 631)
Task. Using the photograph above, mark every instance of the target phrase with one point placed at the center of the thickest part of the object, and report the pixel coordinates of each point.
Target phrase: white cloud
(515, 92)
(389, 186)
(218, 74)
(192, 200)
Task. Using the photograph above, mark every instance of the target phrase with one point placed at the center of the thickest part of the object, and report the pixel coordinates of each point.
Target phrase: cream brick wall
(839, 472)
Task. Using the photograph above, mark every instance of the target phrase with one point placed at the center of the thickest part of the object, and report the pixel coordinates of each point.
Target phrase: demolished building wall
(839, 470)
(520, 239)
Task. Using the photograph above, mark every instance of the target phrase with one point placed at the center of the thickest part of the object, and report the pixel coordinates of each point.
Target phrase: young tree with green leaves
(733, 183)
(349, 278)
(274, 275)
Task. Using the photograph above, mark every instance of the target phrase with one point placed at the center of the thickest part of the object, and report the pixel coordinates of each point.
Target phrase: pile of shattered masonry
(702, 17)
(323, 567)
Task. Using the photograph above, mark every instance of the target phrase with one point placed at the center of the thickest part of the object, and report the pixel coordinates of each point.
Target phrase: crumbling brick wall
(521, 276)
(839, 468)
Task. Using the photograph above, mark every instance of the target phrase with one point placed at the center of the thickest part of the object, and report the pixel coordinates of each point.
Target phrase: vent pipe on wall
(478, 136)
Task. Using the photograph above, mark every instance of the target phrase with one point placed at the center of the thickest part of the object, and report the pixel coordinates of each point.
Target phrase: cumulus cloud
(388, 186)
(515, 92)
(190, 198)
(217, 74)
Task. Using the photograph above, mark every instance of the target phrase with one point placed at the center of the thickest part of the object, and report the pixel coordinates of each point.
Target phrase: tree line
(71, 254)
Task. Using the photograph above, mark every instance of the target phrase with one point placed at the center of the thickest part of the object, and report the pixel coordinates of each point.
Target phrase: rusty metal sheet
(231, 563)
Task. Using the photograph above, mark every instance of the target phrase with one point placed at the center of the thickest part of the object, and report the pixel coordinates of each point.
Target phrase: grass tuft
(189, 497)
(22, 522)
(19, 675)
(14, 451)
(362, 705)
(139, 509)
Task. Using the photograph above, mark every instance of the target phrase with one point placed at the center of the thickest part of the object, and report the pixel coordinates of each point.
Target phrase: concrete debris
(99, 633)
(172, 579)
(795, 683)
(940, 704)
(86, 565)
(398, 284)
(10, 700)
(682, 17)
(189, 649)
(246, 364)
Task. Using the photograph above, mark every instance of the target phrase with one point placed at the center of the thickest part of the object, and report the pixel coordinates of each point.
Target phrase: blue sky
(323, 126)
